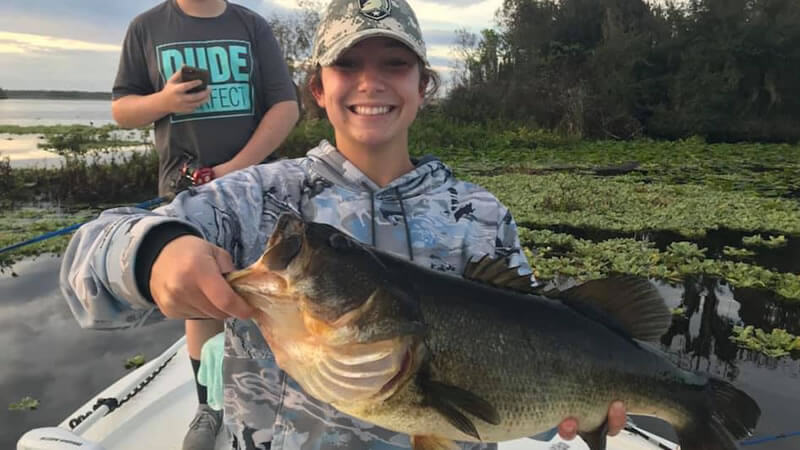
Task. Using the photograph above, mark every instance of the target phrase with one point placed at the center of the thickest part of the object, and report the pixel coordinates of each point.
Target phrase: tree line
(728, 70)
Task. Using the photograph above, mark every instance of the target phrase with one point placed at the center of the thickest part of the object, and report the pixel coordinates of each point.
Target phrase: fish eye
(284, 252)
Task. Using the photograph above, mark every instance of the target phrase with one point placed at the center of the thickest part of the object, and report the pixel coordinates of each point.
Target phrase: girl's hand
(175, 99)
(186, 281)
(617, 418)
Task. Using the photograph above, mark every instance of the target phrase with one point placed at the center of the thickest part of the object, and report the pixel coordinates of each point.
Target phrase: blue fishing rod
(761, 440)
(144, 205)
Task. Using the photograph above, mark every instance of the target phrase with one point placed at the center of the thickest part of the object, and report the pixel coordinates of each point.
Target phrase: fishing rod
(71, 228)
(761, 440)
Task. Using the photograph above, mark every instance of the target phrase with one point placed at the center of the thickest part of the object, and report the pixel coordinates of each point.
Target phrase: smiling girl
(372, 76)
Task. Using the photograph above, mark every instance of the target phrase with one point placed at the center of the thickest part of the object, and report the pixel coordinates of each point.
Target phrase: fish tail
(724, 416)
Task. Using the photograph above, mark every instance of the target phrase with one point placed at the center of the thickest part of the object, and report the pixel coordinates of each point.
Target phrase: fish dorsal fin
(633, 305)
(450, 401)
(496, 272)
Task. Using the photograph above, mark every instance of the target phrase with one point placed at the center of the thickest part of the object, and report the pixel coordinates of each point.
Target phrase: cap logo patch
(375, 9)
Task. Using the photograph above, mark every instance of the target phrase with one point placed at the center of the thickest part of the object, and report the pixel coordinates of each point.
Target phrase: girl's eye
(399, 63)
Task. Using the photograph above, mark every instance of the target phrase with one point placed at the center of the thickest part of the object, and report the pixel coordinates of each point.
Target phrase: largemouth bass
(444, 359)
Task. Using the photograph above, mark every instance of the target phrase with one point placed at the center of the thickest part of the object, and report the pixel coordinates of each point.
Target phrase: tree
(724, 69)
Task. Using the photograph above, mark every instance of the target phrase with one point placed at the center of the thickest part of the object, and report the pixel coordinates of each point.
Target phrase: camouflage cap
(347, 22)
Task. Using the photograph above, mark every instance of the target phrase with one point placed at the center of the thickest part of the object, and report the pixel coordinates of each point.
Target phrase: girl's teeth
(370, 110)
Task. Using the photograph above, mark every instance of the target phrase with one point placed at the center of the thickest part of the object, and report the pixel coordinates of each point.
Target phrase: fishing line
(71, 228)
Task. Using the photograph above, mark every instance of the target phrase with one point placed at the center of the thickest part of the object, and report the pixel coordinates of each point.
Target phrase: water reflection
(47, 356)
(700, 338)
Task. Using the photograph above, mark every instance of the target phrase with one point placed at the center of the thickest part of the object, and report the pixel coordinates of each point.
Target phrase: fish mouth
(258, 285)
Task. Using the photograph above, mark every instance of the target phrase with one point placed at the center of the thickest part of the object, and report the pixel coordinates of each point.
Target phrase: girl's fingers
(568, 428)
(617, 418)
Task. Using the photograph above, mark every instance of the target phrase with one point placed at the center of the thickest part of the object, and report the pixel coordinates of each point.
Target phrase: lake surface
(22, 149)
(48, 357)
(25, 112)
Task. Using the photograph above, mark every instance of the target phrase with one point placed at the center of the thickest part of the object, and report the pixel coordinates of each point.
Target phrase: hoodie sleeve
(97, 274)
(508, 243)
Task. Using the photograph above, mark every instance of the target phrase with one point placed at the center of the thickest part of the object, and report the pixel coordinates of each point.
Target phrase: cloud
(80, 40)
(37, 43)
(59, 70)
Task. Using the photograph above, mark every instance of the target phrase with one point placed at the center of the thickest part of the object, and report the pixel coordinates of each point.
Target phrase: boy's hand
(175, 99)
(186, 281)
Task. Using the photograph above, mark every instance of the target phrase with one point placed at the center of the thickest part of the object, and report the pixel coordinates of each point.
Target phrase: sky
(75, 44)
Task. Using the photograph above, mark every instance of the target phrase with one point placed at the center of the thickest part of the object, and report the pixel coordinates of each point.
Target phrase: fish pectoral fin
(431, 442)
(596, 439)
(450, 400)
(462, 399)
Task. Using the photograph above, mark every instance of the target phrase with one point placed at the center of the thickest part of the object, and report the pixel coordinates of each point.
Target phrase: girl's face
(372, 94)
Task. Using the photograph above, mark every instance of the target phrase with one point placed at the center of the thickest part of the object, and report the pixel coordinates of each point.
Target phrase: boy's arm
(135, 102)
(274, 127)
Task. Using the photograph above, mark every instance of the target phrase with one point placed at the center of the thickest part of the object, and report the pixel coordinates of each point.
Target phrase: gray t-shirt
(248, 76)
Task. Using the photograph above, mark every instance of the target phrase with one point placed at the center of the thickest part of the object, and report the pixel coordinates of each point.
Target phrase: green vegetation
(21, 224)
(98, 167)
(621, 69)
(25, 404)
(759, 241)
(585, 209)
(135, 361)
(563, 254)
(632, 207)
(775, 344)
(679, 311)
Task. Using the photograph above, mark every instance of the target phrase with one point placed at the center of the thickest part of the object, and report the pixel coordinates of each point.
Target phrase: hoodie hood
(429, 174)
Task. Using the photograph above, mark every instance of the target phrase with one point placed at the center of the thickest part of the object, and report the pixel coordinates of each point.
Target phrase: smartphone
(189, 73)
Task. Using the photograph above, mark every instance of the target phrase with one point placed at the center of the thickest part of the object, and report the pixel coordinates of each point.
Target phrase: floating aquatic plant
(734, 252)
(679, 311)
(588, 202)
(135, 361)
(775, 344)
(25, 404)
(770, 242)
(19, 225)
(554, 254)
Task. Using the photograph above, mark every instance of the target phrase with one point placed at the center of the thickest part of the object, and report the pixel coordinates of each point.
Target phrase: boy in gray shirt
(239, 119)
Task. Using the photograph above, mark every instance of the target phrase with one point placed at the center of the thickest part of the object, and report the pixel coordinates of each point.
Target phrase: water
(24, 112)
(22, 149)
(48, 357)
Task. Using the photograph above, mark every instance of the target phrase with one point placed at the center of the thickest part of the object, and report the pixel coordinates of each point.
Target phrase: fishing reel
(192, 175)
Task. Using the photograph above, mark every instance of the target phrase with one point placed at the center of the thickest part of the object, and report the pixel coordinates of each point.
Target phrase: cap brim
(340, 47)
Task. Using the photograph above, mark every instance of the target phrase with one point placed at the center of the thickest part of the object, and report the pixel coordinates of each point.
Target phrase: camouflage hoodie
(426, 215)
